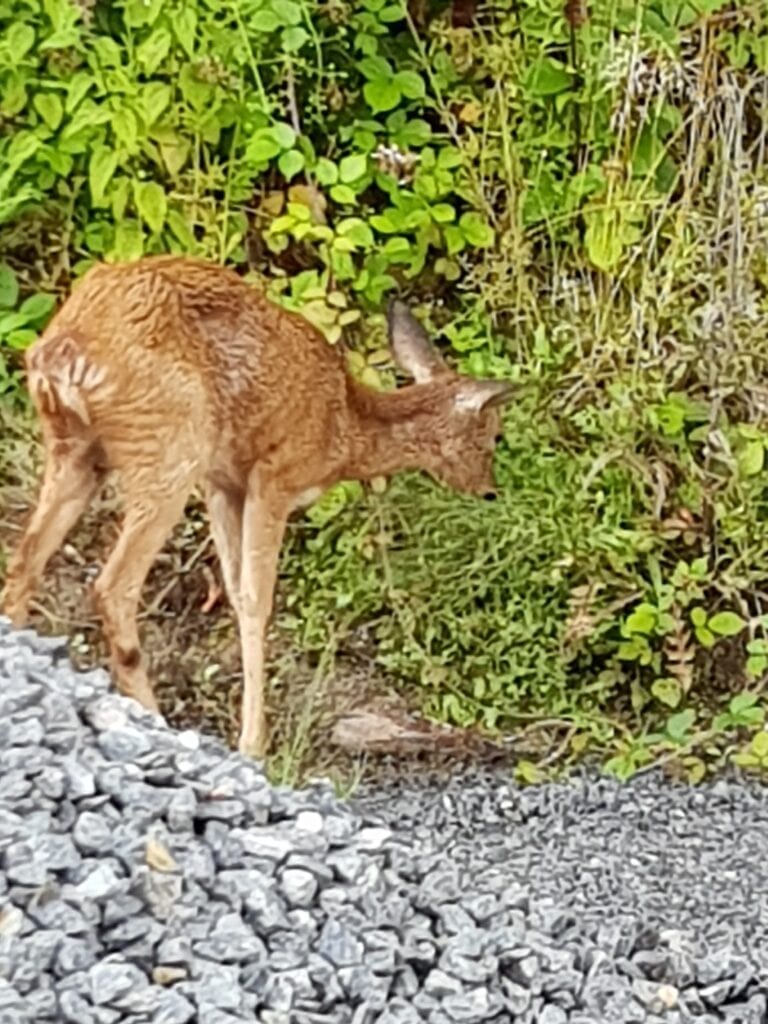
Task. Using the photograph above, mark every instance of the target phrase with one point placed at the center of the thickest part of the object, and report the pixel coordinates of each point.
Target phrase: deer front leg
(263, 529)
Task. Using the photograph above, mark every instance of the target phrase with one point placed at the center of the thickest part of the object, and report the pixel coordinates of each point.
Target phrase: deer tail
(61, 377)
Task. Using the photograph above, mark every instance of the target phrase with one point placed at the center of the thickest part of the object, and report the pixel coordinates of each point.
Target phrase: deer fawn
(174, 372)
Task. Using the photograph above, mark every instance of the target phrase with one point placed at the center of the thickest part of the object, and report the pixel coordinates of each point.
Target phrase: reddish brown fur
(174, 372)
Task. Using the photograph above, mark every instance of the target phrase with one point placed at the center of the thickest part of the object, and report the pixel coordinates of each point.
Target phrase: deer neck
(387, 430)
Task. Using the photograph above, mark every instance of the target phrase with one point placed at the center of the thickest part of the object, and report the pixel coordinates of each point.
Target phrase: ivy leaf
(9, 287)
(49, 107)
(101, 168)
(726, 624)
(151, 203)
(381, 94)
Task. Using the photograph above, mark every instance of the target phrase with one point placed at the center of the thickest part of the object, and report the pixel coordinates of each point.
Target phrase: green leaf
(184, 23)
(101, 168)
(726, 624)
(142, 12)
(119, 197)
(288, 11)
(698, 617)
(352, 168)
(174, 150)
(19, 40)
(375, 68)
(411, 84)
(443, 213)
(527, 771)
(156, 99)
(290, 163)
(343, 194)
(476, 230)
(357, 231)
(125, 127)
(759, 744)
(454, 239)
(129, 241)
(151, 203)
(262, 148)
(153, 51)
(547, 77)
(49, 107)
(741, 702)
(326, 171)
(706, 637)
(37, 308)
(750, 458)
(667, 691)
(641, 620)
(78, 86)
(9, 287)
(381, 94)
(283, 134)
(678, 725)
(414, 134)
(294, 38)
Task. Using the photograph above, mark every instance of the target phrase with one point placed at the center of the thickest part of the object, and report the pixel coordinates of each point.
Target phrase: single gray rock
(300, 887)
(111, 980)
(339, 945)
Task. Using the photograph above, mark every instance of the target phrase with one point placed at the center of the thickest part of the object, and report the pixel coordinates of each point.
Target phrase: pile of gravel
(148, 875)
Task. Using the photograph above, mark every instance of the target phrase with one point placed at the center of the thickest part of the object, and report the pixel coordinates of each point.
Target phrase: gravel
(149, 876)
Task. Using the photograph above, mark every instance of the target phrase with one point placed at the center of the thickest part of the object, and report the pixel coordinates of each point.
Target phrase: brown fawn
(173, 372)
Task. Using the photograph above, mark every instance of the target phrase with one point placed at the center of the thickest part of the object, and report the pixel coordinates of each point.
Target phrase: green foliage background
(572, 195)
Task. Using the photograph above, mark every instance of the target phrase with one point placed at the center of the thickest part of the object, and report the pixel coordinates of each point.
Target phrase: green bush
(572, 195)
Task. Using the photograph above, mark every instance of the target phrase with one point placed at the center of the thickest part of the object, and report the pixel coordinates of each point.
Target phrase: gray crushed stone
(149, 876)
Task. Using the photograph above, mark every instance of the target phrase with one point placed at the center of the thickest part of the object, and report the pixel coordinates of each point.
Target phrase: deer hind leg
(148, 521)
(263, 530)
(225, 512)
(74, 471)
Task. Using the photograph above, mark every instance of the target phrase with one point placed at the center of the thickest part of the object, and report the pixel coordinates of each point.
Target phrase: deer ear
(413, 352)
(475, 395)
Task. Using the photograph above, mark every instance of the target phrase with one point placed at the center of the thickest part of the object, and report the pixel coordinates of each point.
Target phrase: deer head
(456, 420)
